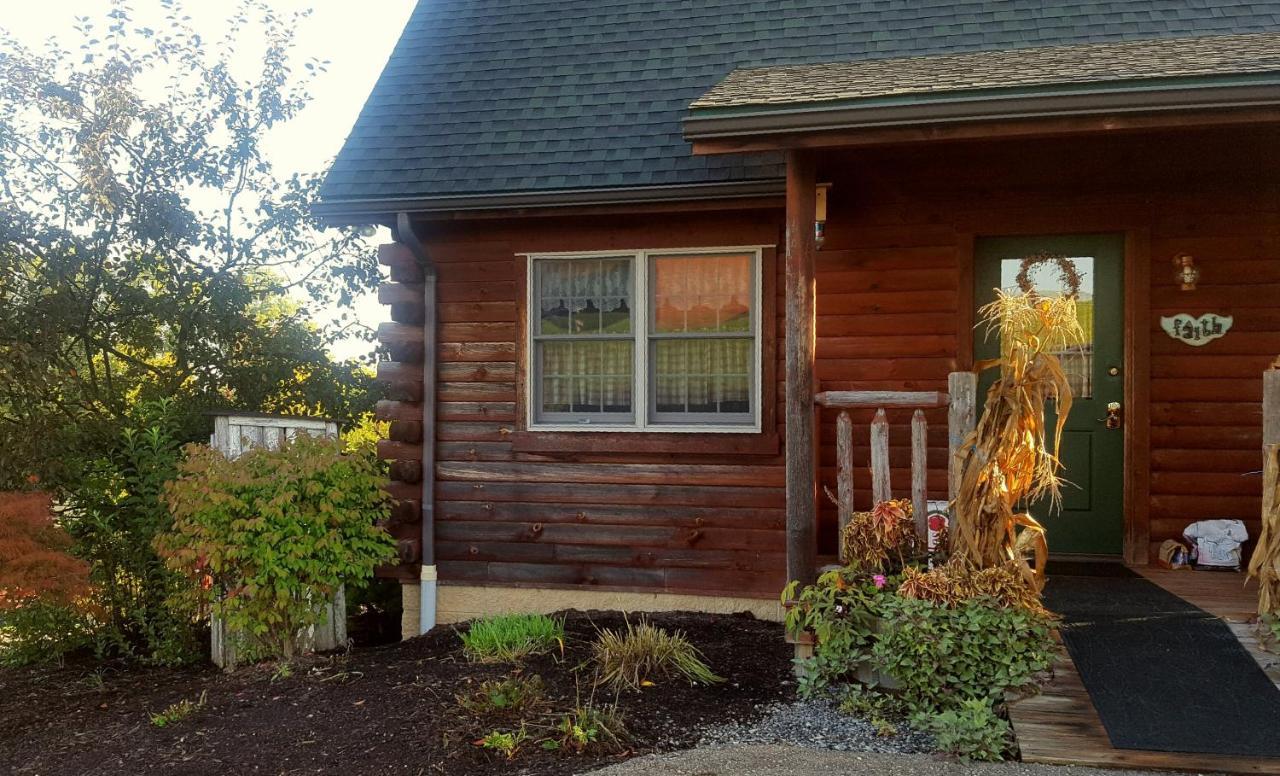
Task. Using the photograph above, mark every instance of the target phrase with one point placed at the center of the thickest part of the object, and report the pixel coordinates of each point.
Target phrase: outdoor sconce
(1185, 271)
(820, 214)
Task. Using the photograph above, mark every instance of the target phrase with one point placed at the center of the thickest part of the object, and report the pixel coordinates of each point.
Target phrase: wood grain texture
(801, 481)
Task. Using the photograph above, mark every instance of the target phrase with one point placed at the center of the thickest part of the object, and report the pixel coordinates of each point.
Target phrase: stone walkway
(768, 760)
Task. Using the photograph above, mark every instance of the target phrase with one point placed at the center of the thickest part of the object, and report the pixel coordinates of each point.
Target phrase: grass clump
(512, 696)
(511, 637)
(177, 712)
(631, 659)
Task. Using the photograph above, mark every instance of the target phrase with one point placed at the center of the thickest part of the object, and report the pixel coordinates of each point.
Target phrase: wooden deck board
(1060, 725)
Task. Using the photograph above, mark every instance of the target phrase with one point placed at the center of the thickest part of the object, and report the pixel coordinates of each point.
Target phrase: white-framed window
(645, 340)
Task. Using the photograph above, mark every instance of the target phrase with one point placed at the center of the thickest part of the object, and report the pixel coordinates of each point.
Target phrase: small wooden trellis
(234, 435)
(959, 400)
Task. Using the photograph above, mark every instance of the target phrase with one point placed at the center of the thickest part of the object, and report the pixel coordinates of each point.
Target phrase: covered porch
(899, 199)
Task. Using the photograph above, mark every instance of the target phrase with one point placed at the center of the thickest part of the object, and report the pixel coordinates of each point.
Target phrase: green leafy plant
(265, 539)
(943, 656)
(972, 730)
(588, 728)
(511, 637)
(842, 612)
(505, 743)
(633, 658)
(881, 709)
(177, 712)
(512, 696)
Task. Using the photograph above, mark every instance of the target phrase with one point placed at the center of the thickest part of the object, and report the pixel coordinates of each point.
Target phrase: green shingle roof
(529, 97)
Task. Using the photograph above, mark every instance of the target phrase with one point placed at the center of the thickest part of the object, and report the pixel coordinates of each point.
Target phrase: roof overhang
(1049, 109)
(338, 212)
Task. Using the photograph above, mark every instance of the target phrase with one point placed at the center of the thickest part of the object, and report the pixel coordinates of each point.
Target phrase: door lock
(1113, 419)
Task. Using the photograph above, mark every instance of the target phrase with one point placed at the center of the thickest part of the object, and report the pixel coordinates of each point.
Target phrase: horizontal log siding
(618, 516)
(891, 316)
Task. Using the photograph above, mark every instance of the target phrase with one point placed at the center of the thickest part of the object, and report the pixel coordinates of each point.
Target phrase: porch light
(1185, 271)
(820, 214)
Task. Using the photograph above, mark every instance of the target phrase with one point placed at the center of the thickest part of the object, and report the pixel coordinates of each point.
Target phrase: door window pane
(1045, 278)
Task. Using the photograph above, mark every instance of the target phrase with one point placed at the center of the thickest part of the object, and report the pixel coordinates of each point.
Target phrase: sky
(356, 36)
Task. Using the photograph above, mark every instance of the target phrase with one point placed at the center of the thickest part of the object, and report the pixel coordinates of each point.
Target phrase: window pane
(702, 293)
(1045, 278)
(586, 376)
(584, 296)
(702, 376)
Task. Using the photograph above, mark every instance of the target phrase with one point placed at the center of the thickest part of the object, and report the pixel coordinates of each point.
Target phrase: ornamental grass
(1010, 457)
(633, 658)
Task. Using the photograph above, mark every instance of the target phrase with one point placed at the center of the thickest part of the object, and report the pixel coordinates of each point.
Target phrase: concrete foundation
(457, 603)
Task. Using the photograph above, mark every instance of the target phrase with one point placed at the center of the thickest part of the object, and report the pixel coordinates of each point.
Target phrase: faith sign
(1196, 331)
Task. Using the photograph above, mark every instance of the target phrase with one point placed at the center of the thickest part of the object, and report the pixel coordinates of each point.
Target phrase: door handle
(1114, 418)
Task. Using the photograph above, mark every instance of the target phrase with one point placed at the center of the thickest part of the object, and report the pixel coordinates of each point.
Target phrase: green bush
(40, 632)
(971, 730)
(264, 540)
(511, 637)
(842, 611)
(945, 656)
(630, 659)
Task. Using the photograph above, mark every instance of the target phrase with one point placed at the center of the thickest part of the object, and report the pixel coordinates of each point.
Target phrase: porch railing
(960, 401)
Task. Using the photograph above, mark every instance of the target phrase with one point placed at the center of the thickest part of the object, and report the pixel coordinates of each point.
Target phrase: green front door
(1091, 520)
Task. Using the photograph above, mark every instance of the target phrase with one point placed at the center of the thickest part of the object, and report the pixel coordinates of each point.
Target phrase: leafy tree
(148, 248)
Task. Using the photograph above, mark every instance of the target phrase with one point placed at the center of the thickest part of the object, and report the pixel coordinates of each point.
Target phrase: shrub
(114, 513)
(514, 696)
(972, 731)
(943, 656)
(511, 637)
(34, 562)
(882, 540)
(842, 611)
(265, 539)
(628, 659)
(958, 581)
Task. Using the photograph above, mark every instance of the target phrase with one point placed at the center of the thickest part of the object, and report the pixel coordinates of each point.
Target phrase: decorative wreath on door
(1066, 271)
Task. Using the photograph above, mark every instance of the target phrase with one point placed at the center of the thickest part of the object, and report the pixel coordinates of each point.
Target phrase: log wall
(705, 514)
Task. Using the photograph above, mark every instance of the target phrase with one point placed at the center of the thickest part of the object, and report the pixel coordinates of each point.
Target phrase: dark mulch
(384, 710)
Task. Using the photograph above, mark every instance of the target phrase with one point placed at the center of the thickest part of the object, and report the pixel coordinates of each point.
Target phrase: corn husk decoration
(1264, 566)
(1010, 458)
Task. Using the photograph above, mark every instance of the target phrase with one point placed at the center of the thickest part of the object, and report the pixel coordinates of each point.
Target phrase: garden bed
(379, 710)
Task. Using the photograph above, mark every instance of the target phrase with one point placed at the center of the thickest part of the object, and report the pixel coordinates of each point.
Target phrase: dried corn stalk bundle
(1264, 566)
(1010, 458)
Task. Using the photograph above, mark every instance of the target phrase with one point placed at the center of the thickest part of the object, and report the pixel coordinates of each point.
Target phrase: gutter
(427, 578)
(707, 123)
(341, 212)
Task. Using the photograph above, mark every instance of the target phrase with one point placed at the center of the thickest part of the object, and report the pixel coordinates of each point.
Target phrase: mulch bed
(384, 710)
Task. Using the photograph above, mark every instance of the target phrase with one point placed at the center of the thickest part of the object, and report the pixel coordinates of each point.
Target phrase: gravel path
(761, 760)
(818, 725)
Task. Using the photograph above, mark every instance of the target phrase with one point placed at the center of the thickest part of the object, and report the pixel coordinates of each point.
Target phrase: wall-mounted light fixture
(1185, 271)
(820, 214)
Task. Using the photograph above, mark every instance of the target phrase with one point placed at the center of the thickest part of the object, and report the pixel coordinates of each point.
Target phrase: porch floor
(1061, 726)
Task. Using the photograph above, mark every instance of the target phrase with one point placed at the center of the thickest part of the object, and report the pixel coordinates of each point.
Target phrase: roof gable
(505, 97)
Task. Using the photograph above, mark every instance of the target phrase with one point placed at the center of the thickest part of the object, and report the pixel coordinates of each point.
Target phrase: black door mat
(1087, 568)
(1163, 674)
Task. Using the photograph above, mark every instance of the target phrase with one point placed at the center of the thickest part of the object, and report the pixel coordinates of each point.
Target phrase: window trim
(642, 421)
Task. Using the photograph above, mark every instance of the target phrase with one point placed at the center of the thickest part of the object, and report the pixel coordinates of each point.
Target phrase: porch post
(801, 479)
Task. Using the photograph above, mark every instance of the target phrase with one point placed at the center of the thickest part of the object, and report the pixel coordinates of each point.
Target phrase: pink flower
(879, 580)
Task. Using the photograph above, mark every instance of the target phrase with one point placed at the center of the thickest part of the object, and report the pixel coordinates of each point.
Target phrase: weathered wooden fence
(235, 435)
(960, 401)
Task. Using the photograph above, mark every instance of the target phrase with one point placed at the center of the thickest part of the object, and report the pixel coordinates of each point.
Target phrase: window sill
(719, 443)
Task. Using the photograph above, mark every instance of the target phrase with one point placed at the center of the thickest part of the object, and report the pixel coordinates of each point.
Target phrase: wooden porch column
(801, 464)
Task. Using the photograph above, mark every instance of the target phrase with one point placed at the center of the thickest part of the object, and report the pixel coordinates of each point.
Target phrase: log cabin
(635, 242)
